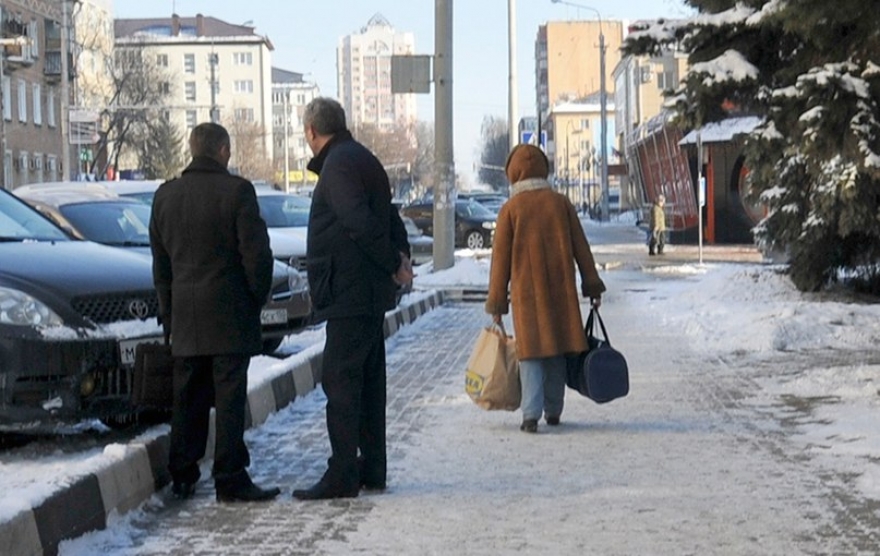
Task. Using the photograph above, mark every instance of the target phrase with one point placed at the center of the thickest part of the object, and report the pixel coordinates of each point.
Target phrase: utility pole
(65, 94)
(215, 111)
(603, 100)
(444, 184)
(286, 138)
(513, 125)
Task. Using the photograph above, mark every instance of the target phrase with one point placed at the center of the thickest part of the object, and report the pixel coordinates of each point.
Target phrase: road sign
(530, 137)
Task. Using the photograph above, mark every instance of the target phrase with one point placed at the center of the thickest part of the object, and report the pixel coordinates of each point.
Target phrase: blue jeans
(543, 386)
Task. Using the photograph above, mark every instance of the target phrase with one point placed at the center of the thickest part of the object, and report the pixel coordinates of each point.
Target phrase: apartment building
(575, 153)
(31, 88)
(290, 95)
(364, 76)
(215, 71)
(568, 60)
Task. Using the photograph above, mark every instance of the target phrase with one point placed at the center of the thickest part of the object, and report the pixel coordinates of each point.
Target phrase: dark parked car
(71, 313)
(89, 211)
(474, 223)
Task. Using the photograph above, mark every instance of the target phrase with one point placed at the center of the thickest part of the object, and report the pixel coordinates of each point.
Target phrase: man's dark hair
(207, 139)
(326, 115)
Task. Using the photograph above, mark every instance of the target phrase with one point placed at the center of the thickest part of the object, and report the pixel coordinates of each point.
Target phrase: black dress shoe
(183, 490)
(325, 491)
(370, 486)
(552, 421)
(247, 493)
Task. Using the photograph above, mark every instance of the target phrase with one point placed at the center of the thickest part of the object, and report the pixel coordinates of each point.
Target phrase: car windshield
(284, 211)
(19, 222)
(143, 196)
(113, 223)
(473, 208)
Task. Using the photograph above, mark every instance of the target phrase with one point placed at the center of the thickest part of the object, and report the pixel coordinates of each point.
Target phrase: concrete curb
(141, 466)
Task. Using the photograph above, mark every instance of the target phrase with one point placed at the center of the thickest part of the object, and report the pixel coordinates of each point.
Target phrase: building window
(243, 58)
(189, 63)
(37, 164)
(585, 123)
(7, 99)
(190, 90)
(164, 88)
(7, 168)
(51, 167)
(244, 86)
(37, 93)
(34, 39)
(162, 60)
(22, 102)
(192, 118)
(665, 80)
(50, 107)
(244, 115)
(23, 161)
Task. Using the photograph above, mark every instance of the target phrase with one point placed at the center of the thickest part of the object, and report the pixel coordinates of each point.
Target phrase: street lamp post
(603, 102)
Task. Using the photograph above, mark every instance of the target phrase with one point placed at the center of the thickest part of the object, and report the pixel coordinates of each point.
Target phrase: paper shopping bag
(492, 374)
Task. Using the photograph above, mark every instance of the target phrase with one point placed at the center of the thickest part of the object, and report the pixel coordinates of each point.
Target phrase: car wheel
(474, 240)
(271, 345)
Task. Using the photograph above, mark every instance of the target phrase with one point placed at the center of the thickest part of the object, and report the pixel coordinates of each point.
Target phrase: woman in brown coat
(538, 240)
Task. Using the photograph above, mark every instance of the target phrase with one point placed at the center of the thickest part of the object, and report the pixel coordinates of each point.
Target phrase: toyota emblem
(139, 309)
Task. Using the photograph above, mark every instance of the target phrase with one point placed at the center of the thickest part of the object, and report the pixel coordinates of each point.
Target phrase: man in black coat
(358, 256)
(212, 268)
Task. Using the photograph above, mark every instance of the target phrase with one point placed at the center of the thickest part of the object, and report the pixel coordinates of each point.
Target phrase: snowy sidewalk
(684, 465)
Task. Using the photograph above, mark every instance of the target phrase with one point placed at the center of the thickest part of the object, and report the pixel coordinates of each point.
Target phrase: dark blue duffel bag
(600, 373)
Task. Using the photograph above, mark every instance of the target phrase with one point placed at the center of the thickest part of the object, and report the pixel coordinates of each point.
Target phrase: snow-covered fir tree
(811, 69)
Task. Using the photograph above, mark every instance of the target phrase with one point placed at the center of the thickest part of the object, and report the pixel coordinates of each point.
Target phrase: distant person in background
(212, 269)
(657, 227)
(538, 240)
(358, 257)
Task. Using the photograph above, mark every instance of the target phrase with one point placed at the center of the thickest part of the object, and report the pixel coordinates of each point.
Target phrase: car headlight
(489, 225)
(19, 309)
(296, 280)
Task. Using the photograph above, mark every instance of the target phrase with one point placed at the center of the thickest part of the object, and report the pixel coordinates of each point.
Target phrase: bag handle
(498, 326)
(591, 324)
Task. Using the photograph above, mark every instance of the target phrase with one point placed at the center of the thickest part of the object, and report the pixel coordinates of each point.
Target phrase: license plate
(273, 316)
(126, 348)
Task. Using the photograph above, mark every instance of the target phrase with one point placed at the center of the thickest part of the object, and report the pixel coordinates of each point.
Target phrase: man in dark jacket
(358, 255)
(212, 268)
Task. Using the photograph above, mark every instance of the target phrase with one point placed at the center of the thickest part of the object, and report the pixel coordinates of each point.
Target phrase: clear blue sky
(306, 34)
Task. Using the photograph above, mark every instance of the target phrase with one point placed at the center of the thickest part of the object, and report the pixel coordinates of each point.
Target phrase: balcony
(18, 55)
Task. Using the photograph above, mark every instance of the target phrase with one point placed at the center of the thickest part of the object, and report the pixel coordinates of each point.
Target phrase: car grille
(124, 306)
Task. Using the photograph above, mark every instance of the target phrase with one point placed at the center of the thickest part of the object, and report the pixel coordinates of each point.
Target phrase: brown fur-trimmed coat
(537, 241)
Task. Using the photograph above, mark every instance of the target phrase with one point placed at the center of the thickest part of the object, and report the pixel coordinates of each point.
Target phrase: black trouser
(199, 383)
(353, 378)
(658, 240)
